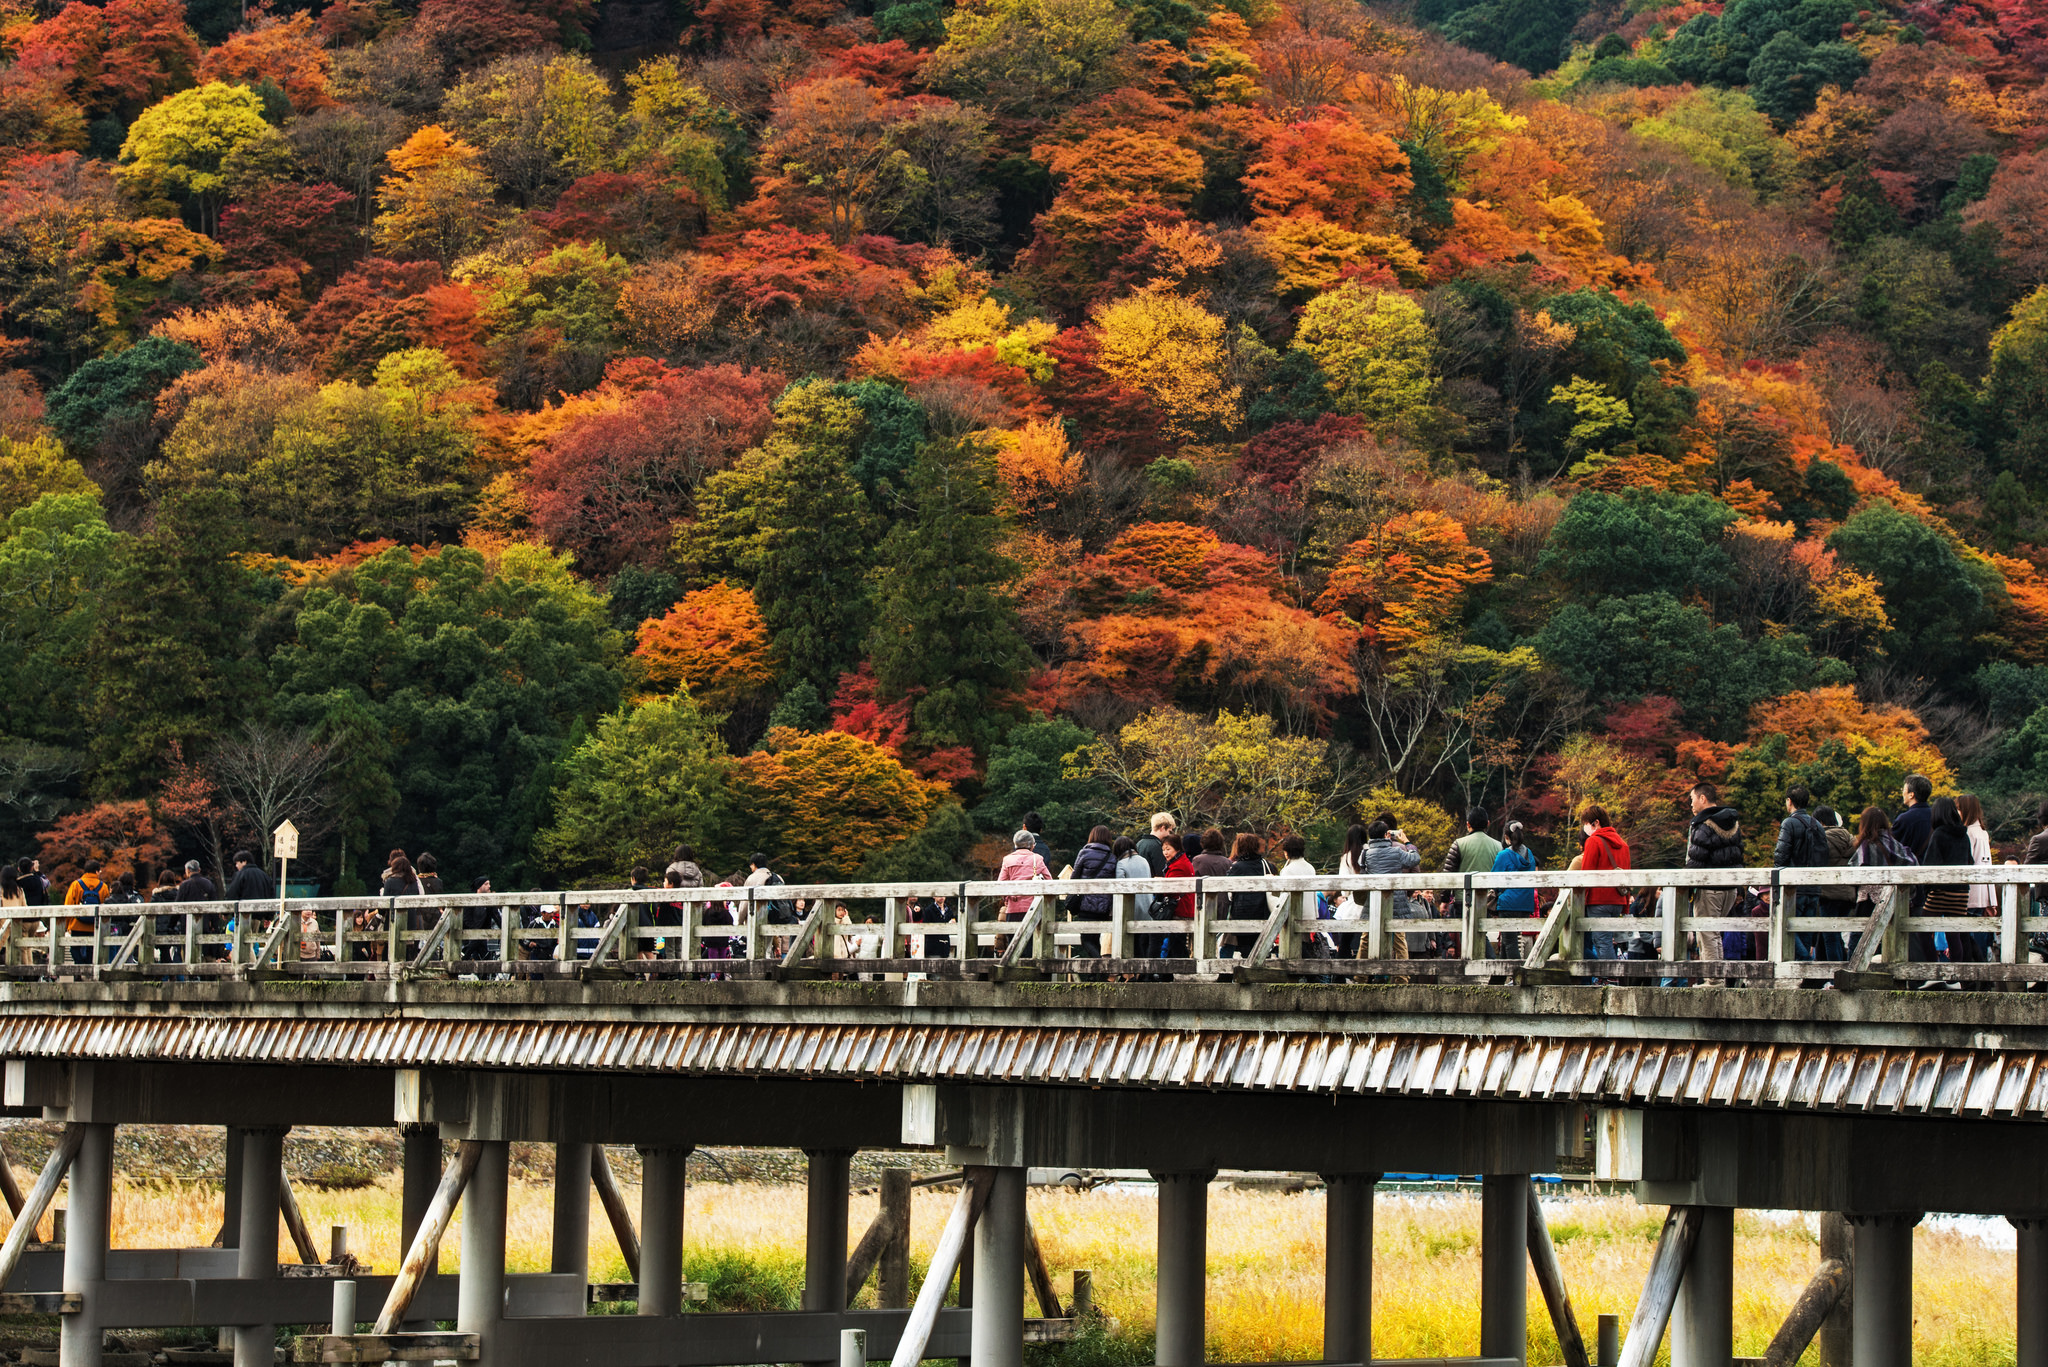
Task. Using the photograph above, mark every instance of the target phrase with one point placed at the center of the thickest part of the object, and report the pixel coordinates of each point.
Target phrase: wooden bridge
(1021, 1035)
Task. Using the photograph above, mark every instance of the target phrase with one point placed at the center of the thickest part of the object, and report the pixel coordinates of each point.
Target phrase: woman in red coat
(1604, 849)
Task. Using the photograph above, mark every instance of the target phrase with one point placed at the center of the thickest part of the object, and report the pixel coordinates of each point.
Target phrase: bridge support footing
(571, 1250)
(1882, 1317)
(1347, 1266)
(1183, 1317)
(662, 1177)
(1703, 1317)
(480, 1295)
(1503, 1266)
(829, 1177)
(997, 1333)
(87, 1227)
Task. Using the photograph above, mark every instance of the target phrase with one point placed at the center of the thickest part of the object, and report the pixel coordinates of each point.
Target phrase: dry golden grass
(1265, 1260)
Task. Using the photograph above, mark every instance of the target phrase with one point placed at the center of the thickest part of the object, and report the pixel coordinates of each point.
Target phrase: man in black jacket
(1803, 844)
(1714, 842)
(251, 883)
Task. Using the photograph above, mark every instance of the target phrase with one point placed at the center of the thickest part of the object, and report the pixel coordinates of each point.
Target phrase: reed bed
(1265, 1261)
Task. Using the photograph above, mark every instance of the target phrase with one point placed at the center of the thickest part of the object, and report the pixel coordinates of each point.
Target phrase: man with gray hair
(197, 887)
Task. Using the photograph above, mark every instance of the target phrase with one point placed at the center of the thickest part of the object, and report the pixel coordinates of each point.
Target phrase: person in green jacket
(1472, 852)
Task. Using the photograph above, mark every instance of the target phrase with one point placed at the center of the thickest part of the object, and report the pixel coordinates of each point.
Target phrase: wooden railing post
(1674, 939)
(1122, 907)
(2009, 951)
(1779, 941)
(1376, 924)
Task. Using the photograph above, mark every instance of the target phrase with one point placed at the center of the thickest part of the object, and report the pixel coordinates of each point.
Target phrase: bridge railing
(1405, 925)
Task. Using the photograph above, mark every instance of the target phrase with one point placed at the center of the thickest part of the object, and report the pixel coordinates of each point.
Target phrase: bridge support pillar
(2032, 1276)
(829, 1180)
(420, 1169)
(1881, 1332)
(1703, 1318)
(1183, 1317)
(662, 1182)
(997, 1336)
(1347, 1266)
(1504, 1266)
(480, 1294)
(87, 1227)
(256, 1259)
(571, 1251)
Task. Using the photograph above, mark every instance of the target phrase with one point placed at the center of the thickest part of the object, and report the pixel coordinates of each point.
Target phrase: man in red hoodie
(1604, 849)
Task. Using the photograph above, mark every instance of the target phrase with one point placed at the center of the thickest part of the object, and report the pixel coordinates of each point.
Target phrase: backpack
(1812, 850)
(782, 911)
(92, 897)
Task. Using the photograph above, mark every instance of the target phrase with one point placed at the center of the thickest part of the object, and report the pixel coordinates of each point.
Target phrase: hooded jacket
(1605, 849)
(1715, 841)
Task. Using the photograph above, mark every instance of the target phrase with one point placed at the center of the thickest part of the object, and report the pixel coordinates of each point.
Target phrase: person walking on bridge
(1803, 844)
(1472, 852)
(1604, 849)
(1514, 857)
(1714, 841)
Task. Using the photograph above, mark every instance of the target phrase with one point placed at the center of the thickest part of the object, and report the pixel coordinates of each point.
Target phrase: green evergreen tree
(944, 622)
(174, 656)
(814, 543)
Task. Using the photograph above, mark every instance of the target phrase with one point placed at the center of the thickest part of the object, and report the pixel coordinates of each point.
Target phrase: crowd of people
(1945, 831)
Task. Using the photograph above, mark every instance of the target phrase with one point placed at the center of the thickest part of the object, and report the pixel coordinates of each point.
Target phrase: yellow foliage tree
(1035, 464)
(1234, 771)
(1171, 350)
(437, 202)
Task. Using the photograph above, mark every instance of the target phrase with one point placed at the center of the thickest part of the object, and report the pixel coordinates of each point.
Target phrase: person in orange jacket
(89, 889)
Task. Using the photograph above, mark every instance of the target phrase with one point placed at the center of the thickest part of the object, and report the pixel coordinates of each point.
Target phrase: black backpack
(1812, 851)
(782, 911)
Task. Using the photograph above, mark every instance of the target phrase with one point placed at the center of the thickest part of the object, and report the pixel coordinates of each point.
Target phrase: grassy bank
(1265, 1262)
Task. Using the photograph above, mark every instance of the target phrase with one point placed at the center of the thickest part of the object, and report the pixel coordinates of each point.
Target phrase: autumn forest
(539, 432)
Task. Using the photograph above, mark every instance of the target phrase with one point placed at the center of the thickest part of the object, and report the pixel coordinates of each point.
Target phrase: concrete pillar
(571, 1251)
(661, 1229)
(262, 1174)
(2032, 1277)
(1183, 1317)
(87, 1226)
(1703, 1319)
(1881, 1332)
(480, 1294)
(996, 1338)
(1838, 1241)
(420, 1168)
(231, 1189)
(1347, 1266)
(825, 1229)
(1504, 1266)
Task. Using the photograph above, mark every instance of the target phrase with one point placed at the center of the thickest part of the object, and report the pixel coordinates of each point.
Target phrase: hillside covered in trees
(538, 431)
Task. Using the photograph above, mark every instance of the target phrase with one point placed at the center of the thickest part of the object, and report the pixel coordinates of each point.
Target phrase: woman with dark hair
(1948, 845)
(1876, 848)
(1096, 859)
(1247, 860)
(1175, 906)
(1515, 857)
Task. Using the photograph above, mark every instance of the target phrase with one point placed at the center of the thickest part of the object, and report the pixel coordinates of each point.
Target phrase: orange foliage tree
(286, 51)
(713, 642)
(123, 836)
(1329, 165)
(824, 801)
(1403, 583)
